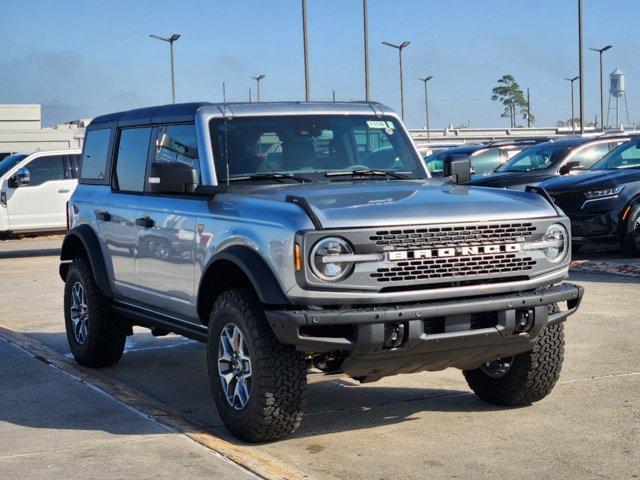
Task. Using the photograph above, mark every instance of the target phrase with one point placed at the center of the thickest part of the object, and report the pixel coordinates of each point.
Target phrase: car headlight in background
(326, 262)
(604, 193)
(557, 239)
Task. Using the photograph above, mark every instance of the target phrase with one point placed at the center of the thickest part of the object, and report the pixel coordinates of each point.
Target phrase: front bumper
(454, 333)
(595, 226)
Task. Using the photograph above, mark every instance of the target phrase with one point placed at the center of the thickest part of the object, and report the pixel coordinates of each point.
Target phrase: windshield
(310, 146)
(7, 163)
(535, 158)
(626, 155)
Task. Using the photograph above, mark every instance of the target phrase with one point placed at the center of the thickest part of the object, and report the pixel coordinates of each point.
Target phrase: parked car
(550, 159)
(604, 202)
(34, 189)
(286, 244)
(485, 157)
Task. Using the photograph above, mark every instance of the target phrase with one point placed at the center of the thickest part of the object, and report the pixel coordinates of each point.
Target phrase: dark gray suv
(290, 235)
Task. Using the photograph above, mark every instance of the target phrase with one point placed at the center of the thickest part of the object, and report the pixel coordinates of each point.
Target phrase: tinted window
(75, 165)
(131, 160)
(177, 144)
(7, 163)
(591, 154)
(95, 153)
(535, 158)
(626, 155)
(311, 146)
(45, 169)
(486, 161)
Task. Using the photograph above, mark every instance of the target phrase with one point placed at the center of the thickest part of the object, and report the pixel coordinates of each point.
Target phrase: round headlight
(321, 263)
(558, 235)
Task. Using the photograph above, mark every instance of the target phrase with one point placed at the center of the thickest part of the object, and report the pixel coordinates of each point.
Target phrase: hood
(592, 180)
(365, 203)
(510, 179)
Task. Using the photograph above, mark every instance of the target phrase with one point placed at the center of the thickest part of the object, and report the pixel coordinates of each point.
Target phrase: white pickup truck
(35, 188)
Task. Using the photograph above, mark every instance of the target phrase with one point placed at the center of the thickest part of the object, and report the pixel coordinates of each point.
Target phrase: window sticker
(377, 124)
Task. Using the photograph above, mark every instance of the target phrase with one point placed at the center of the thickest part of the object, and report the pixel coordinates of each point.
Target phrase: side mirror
(569, 166)
(458, 167)
(22, 178)
(165, 177)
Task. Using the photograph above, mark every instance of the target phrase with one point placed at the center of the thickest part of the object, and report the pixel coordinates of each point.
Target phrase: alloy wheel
(497, 368)
(234, 366)
(79, 313)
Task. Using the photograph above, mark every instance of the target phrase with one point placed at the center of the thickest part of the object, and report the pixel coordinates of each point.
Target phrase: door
(165, 263)
(117, 214)
(40, 205)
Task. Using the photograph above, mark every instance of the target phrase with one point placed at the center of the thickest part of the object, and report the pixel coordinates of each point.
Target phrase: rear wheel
(259, 385)
(524, 378)
(631, 236)
(96, 336)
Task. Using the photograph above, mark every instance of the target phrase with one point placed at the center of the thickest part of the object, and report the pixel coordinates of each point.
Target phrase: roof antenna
(226, 142)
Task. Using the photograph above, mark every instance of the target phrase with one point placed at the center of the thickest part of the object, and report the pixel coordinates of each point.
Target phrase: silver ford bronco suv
(294, 235)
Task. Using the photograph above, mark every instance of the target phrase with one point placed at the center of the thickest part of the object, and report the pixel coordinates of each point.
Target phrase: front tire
(524, 378)
(631, 236)
(259, 385)
(96, 336)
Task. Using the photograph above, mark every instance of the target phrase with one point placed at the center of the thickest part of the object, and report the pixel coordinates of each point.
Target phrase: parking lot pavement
(52, 426)
(426, 425)
(606, 261)
(31, 247)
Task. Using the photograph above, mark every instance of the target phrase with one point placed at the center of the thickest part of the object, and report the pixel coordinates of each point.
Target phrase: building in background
(21, 131)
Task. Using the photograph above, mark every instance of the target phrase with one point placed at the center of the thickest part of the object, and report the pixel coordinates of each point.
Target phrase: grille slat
(569, 202)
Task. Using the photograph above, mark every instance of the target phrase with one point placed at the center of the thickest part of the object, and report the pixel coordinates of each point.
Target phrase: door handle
(104, 216)
(145, 222)
(64, 190)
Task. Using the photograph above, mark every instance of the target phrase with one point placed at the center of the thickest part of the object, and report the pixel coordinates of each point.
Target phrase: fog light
(524, 320)
(393, 335)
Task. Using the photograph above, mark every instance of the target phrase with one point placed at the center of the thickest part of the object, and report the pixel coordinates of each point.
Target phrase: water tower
(617, 92)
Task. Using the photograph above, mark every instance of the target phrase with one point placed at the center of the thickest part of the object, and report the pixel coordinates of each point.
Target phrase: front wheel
(524, 378)
(259, 385)
(631, 236)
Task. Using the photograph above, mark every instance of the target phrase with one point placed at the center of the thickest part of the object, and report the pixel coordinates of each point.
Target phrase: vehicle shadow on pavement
(176, 376)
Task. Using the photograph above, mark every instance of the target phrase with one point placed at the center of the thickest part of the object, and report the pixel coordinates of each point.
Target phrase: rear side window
(75, 165)
(45, 169)
(131, 161)
(95, 154)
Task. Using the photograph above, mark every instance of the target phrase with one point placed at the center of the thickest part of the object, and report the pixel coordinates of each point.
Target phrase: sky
(80, 59)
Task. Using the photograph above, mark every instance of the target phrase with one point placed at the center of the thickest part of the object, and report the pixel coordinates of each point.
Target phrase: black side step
(149, 319)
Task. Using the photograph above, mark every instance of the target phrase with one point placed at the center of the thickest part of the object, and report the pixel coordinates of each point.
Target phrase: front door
(166, 242)
(41, 205)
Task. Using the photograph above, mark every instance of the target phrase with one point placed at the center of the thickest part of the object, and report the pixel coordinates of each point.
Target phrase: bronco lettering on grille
(400, 255)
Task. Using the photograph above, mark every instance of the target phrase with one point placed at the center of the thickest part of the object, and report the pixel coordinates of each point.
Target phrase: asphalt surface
(426, 425)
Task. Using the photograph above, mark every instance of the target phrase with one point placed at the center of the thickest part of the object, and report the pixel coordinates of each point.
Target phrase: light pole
(573, 126)
(365, 21)
(580, 66)
(426, 103)
(400, 48)
(600, 52)
(170, 40)
(257, 78)
(307, 77)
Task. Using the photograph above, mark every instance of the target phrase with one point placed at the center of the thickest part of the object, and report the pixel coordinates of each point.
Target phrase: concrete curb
(260, 464)
(591, 266)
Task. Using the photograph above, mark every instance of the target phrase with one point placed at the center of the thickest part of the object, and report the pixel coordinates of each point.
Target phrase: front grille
(569, 202)
(431, 268)
(457, 235)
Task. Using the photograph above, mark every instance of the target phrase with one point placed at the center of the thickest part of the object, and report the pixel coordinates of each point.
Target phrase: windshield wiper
(367, 173)
(271, 176)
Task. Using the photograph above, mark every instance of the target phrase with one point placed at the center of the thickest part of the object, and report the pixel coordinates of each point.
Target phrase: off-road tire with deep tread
(278, 374)
(106, 332)
(531, 377)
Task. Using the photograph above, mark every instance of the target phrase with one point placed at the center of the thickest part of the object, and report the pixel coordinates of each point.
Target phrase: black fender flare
(83, 236)
(260, 275)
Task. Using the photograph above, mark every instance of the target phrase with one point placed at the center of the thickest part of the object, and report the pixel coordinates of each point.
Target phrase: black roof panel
(179, 112)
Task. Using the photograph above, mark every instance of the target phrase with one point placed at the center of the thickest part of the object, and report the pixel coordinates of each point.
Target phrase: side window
(94, 156)
(486, 161)
(75, 165)
(177, 143)
(45, 169)
(590, 155)
(131, 160)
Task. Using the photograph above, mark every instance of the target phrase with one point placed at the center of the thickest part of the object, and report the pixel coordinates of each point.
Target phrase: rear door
(41, 205)
(165, 262)
(117, 214)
